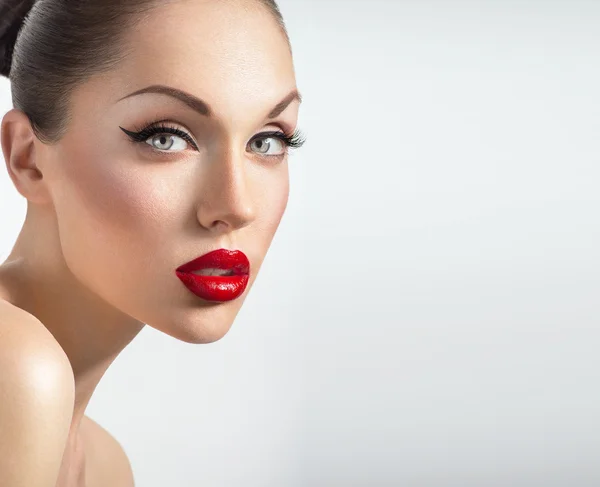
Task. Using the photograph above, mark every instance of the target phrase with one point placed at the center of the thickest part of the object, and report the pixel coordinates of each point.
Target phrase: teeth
(213, 272)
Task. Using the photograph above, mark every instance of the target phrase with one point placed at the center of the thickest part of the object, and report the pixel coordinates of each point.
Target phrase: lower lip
(214, 288)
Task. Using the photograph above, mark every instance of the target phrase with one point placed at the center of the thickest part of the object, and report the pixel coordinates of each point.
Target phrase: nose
(226, 193)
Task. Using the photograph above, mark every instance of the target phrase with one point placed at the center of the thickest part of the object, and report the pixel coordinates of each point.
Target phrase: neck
(73, 467)
(92, 333)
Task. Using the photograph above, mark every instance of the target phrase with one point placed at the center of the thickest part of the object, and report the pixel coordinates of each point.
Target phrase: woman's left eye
(263, 145)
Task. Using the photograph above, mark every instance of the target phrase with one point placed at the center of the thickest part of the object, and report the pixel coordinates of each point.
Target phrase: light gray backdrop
(439, 323)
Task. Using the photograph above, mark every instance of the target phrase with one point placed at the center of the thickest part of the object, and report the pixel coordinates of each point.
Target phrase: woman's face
(130, 213)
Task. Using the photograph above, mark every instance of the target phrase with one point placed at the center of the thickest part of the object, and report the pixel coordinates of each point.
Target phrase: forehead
(225, 51)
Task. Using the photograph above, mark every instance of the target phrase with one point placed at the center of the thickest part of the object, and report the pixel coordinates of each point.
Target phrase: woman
(150, 139)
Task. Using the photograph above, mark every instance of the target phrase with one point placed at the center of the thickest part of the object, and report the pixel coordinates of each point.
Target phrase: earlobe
(19, 150)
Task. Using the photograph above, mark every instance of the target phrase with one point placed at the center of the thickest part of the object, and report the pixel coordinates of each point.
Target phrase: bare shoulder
(106, 460)
(25, 329)
(28, 348)
(37, 390)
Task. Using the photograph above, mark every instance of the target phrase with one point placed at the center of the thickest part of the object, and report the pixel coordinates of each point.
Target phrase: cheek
(114, 211)
(117, 201)
(282, 201)
(274, 208)
(273, 205)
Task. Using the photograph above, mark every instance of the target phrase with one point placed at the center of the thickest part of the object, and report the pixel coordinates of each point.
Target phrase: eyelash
(294, 141)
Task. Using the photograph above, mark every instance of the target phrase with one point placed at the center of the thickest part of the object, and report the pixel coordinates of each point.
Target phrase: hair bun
(12, 15)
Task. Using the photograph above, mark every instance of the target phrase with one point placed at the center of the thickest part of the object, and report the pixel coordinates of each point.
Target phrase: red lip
(217, 288)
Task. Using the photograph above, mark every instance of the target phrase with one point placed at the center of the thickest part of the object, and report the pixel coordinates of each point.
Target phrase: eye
(162, 138)
(276, 144)
(270, 146)
(166, 142)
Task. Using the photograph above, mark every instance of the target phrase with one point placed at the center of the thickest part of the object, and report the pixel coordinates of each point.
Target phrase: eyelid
(143, 132)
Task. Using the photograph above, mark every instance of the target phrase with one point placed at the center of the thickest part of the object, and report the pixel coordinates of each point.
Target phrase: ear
(21, 150)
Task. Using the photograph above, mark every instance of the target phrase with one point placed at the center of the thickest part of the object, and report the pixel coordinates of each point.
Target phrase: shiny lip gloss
(221, 287)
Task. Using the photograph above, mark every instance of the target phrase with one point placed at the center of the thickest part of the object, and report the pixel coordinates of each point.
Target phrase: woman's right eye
(167, 141)
(162, 138)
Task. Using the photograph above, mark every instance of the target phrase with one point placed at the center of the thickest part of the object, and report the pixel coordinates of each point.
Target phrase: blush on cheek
(114, 224)
(123, 200)
(117, 211)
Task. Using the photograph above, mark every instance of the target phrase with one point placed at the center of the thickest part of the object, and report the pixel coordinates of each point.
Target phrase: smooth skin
(108, 222)
(36, 412)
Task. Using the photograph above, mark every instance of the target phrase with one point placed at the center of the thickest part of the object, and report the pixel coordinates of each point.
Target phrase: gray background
(428, 312)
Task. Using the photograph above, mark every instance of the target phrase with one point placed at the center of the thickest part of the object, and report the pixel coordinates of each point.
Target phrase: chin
(199, 338)
(207, 329)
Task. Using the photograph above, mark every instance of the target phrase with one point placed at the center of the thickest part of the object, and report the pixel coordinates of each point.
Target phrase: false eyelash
(294, 141)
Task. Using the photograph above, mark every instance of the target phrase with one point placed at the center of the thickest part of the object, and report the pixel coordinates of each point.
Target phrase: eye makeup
(141, 135)
(152, 129)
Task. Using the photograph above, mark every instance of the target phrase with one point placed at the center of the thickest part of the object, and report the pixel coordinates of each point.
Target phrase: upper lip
(234, 260)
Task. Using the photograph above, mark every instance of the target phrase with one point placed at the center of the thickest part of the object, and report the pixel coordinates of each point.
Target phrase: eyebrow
(201, 106)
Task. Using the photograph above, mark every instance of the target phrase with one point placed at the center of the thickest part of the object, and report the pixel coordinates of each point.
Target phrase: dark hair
(48, 47)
